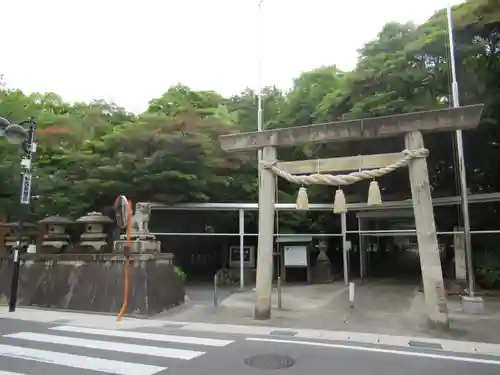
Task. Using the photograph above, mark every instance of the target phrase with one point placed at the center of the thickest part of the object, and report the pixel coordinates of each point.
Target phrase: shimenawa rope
(347, 179)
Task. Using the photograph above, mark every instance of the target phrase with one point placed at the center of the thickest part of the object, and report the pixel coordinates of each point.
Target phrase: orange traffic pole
(126, 251)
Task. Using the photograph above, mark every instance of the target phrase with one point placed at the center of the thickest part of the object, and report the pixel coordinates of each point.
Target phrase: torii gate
(412, 125)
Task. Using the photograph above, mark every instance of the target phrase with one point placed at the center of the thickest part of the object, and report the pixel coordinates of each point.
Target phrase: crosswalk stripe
(145, 336)
(107, 345)
(10, 373)
(78, 361)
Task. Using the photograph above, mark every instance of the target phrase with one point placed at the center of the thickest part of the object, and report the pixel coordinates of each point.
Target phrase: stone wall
(94, 282)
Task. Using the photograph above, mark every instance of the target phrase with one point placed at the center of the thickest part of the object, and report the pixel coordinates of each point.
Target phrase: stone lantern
(322, 271)
(11, 237)
(56, 240)
(94, 238)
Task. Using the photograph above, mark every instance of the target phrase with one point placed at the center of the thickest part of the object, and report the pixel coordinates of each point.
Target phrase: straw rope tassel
(374, 195)
(302, 200)
(339, 204)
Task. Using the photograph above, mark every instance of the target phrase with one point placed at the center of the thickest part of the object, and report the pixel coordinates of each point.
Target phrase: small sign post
(352, 289)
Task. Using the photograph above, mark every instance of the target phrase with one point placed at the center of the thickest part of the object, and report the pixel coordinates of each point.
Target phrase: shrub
(487, 265)
(180, 273)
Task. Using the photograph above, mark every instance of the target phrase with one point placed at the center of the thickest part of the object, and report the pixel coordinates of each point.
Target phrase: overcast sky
(131, 51)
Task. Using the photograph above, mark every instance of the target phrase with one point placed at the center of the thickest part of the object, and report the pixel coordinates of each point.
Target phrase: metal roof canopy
(445, 201)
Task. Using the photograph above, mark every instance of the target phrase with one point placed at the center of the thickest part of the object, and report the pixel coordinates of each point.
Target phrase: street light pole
(29, 147)
(461, 161)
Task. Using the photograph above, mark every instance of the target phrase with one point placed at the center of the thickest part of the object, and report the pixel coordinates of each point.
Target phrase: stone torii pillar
(412, 125)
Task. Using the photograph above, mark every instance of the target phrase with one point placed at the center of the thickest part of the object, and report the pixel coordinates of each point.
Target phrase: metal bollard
(216, 279)
(279, 292)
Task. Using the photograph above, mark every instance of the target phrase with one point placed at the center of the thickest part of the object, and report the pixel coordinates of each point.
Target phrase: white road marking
(78, 361)
(107, 345)
(10, 373)
(145, 336)
(380, 350)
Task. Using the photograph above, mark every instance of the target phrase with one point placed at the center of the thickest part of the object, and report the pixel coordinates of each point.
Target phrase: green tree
(171, 152)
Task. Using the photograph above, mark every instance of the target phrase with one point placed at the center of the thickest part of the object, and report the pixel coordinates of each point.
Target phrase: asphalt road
(43, 349)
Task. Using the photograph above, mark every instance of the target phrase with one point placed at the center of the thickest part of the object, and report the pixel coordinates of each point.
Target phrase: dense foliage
(170, 153)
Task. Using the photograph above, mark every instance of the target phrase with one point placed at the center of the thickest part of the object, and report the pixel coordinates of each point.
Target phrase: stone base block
(322, 272)
(94, 282)
(140, 246)
(472, 305)
(48, 249)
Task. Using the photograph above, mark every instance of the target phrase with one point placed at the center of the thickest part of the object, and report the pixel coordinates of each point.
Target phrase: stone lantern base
(322, 271)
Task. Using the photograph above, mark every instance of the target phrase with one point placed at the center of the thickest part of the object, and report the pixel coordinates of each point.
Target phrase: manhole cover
(270, 362)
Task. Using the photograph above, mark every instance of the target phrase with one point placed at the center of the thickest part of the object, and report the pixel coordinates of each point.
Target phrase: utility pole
(259, 77)
(471, 303)
(461, 161)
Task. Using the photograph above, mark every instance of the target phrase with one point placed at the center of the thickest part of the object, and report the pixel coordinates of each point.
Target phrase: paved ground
(381, 306)
(34, 348)
(203, 294)
(315, 332)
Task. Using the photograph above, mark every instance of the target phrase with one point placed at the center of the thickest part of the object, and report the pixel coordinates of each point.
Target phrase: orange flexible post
(126, 251)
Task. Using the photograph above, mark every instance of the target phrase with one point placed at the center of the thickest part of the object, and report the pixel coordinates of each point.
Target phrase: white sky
(131, 51)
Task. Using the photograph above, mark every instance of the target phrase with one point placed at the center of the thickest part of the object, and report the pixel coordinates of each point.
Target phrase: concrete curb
(36, 308)
(344, 336)
(109, 322)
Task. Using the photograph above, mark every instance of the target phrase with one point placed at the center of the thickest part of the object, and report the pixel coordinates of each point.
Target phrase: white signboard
(295, 256)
